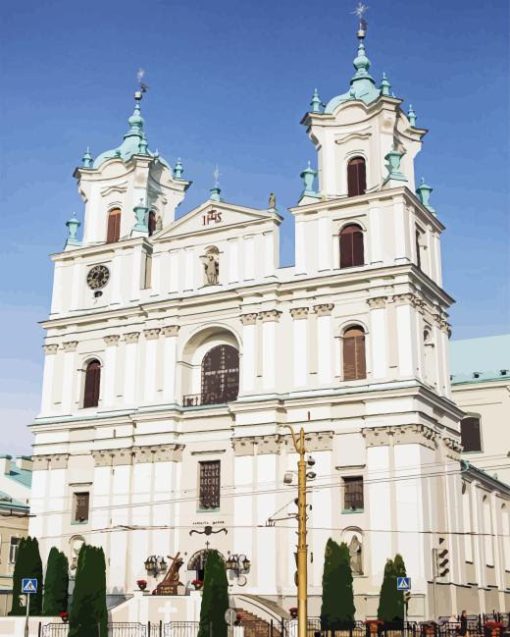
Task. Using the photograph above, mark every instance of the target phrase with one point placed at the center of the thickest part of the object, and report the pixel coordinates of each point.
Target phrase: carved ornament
(50, 348)
(377, 302)
(152, 333)
(170, 330)
(249, 319)
(112, 339)
(299, 312)
(272, 443)
(132, 337)
(323, 309)
(269, 315)
(70, 346)
(50, 461)
(400, 435)
(137, 454)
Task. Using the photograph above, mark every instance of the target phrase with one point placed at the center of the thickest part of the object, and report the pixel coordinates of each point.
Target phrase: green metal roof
(480, 359)
(8, 503)
(23, 476)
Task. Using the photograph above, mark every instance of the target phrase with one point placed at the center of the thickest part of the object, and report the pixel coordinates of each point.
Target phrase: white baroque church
(176, 349)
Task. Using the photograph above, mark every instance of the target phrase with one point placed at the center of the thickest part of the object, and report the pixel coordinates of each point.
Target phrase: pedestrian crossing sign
(29, 585)
(403, 583)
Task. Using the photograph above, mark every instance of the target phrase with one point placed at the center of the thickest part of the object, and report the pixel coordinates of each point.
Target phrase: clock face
(98, 277)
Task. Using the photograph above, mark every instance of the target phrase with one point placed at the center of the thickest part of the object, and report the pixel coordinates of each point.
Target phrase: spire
(316, 103)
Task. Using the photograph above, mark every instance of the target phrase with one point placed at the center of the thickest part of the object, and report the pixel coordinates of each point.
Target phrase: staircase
(259, 617)
(256, 627)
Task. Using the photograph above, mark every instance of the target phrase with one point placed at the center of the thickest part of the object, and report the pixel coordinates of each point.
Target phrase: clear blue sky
(229, 81)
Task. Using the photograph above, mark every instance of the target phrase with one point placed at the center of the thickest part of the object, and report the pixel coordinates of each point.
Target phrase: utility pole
(27, 617)
(302, 548)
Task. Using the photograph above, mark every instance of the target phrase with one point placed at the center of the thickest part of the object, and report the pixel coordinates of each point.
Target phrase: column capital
(377, 302)
(269, 315)
(70, 346)
(132, 337)
(249, 319)
(170, 330)
(152, 333)
(299, 312)
(112, 339)
(50, 348)
(324, 309)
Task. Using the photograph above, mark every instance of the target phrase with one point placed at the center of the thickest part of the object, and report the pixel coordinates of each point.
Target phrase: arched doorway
(220, 375)
(197, 563)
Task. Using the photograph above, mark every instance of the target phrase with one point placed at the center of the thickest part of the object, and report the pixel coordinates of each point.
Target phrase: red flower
(141, 582)
(64, 615)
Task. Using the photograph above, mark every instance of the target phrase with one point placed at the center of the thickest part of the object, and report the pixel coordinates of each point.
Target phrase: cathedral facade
(177, 350)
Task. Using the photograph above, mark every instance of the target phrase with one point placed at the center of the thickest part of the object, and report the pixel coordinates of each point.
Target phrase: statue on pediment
(211, 263)
(272, 201)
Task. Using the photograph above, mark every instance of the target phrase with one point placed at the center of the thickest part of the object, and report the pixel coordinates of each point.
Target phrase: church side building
(177, 348)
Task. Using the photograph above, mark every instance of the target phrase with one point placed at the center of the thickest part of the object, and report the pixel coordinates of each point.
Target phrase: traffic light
(441, 560)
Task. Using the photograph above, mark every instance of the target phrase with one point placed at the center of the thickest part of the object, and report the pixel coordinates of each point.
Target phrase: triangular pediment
(214, 216)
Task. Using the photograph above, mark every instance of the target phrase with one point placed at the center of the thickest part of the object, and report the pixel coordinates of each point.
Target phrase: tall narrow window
(81, 507)
(147, 275)
(354, 354)
(351, 246)
(220, 375)
(470, 433)
(13, 550)
(151, 223)
(92, 384)
(356, 177)
(113, 231)
(210, 478)
(353, 494)
(418, 248)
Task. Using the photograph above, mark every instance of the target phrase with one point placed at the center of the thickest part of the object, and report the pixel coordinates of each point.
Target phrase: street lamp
(238, 564)
(155, 564)
(302, 549)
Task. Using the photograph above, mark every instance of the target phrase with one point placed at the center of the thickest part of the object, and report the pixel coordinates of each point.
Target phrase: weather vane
(360, 11)
(143, 87)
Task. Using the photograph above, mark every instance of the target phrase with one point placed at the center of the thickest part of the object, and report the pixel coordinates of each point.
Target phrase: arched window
(470, 433)
(92, 384)
(351, 246)
(220, 375)
(356, 177)
(151, 223)
(354, 364)
(113, 230)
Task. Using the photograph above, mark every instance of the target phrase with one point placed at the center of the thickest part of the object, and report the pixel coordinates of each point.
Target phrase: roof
(480, 359)
(8, 503)
(22, 476)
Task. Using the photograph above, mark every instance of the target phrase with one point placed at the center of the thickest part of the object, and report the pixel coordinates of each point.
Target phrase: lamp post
(302, 548)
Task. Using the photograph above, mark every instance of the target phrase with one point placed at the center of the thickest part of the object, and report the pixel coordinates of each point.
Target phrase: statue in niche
(272, 201)
(159, 223)
(211, 261)
(355, 552)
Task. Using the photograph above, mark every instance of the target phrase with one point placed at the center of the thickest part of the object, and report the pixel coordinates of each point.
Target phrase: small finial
(360, 11)
(316, 103)
(72, 229)
(423, 191)
(143, 87)
(385, 85)
(411, 115)
(178, 169)
(142, 146)
(308, 176)
(86, 160)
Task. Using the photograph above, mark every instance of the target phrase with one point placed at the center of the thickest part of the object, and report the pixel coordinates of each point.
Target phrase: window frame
(361, 181)
(95, 392)
(478, 418)
(113, 227)
(16, 547)
(361, 373)
(75, 519)
(346, 233)
(216, 504)
(353, 480)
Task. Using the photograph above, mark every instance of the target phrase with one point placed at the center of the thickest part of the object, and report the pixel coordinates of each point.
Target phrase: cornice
(400, 435)
(48, 461)
(137, 454)
(273, 443)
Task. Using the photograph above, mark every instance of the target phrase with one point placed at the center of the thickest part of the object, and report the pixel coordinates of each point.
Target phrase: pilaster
(300, 345)
(249, 351)
(151, 351)
(110, 368)
(69, 375)
(170, 334)
(130, 371)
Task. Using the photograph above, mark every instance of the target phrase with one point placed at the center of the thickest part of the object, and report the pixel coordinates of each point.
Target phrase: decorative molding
(362, 134)
(112, 339)
(70, 346)
(272, 443)
(137, 454)
(132, 337)
(453, 448)
(400, 435)
(249, 319)
(170, 330)
(152, 333)
(299, 312)
(49, 461)
(409, 298)
(324, 309)
(269, 315)
(115, 188)
(50, 348)
(377, 302)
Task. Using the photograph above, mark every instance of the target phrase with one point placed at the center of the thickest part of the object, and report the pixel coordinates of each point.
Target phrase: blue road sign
(403, 583)
(29, 585)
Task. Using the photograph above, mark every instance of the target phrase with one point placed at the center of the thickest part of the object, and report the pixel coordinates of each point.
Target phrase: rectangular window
(470, 433)
(209, 491)
(147, 277)
(13, 550)
(353, 494)
(81, 507)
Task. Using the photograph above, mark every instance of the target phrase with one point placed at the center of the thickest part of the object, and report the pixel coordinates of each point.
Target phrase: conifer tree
(56, 583)
(337, 610)
(28, 564)
(88, 617)
(385, 610)
(400, 571)
(214, 598)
